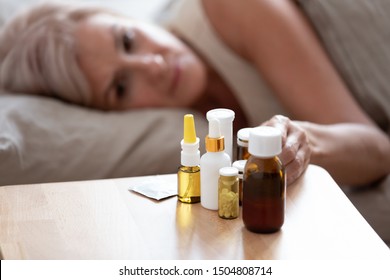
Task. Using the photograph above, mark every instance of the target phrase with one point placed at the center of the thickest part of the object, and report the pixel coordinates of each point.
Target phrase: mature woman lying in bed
(262, 59)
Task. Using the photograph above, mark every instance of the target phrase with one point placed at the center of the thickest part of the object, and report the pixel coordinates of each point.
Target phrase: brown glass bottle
(240, 165)
(264, 186)
(242, 144)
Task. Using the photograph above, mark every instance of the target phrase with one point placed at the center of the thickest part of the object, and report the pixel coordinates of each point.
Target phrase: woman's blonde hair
(38, 52)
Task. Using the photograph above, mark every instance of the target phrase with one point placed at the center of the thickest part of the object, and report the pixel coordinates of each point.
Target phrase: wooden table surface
(102, 219)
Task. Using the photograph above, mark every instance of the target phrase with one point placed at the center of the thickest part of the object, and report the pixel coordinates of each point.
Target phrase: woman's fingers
(296, 167)
(280, 122)
(296, 152)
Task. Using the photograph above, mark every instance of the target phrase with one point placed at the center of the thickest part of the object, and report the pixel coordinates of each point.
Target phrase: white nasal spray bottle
(210, 163)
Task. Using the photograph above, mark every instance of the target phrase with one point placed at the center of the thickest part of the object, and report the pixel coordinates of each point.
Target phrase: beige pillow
(46, 140)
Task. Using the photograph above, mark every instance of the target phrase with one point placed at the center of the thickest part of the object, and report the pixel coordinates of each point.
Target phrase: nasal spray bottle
(210, 163)
(188, 176)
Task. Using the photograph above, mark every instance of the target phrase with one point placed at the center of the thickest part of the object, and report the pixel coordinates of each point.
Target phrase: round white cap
(221, 114)
(228, 171)
(243, 136)
(243, 133)
(239, 164)
(265, 141)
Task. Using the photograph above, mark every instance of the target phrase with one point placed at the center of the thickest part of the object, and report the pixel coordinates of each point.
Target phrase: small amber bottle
(228, 195)
(264, 188)
(242, 143)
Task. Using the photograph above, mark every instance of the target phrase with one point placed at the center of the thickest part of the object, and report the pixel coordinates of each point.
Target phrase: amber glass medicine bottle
(264, 185)
(240, 165)
(242, 143)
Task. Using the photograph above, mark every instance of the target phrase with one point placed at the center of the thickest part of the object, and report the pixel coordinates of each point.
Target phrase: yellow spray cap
(189, 129)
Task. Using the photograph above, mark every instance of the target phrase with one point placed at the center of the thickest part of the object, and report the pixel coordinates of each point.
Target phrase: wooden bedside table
(102, 219)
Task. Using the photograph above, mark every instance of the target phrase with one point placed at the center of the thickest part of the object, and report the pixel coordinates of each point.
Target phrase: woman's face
(132, 64)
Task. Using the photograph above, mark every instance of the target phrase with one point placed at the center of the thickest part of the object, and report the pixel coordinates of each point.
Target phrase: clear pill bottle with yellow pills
(228, 193)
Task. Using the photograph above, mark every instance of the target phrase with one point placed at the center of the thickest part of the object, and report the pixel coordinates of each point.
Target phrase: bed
(46, 140)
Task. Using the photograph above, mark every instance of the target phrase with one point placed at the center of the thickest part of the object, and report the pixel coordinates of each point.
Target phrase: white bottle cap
(228, 171)
(265, 141)
(240, 165)
(243, 136)
(223, 115)
(190, 154)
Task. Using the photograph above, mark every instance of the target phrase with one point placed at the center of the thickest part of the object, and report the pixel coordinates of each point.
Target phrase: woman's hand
(295, 147)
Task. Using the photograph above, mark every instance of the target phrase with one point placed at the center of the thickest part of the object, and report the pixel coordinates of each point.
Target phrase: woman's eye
(120, 90)
(128, 41)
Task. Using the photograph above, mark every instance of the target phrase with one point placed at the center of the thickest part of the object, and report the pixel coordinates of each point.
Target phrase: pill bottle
(228, 196)
(242, 143)
(240, 165)
(264, 185)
